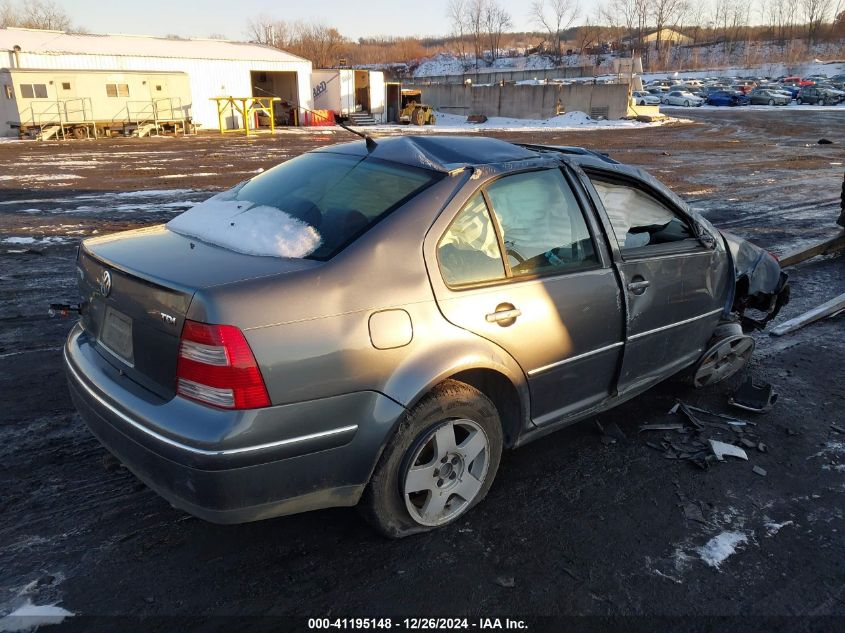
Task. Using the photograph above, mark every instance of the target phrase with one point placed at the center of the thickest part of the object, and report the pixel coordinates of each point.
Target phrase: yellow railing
(246, 108)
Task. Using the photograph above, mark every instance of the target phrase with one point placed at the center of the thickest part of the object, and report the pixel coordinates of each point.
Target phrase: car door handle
(504, 315)
(638, 287)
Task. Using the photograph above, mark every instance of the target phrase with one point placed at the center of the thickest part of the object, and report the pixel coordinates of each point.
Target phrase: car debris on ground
(703, 437)
(828, 309)
(754, 398)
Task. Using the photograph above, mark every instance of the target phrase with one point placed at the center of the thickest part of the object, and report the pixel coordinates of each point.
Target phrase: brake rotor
(723, 359)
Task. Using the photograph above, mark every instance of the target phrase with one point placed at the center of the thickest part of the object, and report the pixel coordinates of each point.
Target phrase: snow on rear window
(247, 227)
(310, 206)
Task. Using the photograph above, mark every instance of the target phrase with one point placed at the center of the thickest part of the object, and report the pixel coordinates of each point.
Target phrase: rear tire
(448, 447)
(771, 102)
(686, 103)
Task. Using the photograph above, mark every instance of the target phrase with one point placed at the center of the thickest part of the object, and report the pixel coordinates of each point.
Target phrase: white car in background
(641, 97)
(682, 98)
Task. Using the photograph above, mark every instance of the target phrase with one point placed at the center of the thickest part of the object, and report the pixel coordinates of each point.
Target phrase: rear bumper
(232, 466)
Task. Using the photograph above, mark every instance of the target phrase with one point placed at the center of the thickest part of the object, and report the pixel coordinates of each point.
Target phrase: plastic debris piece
(505, 581)
(759, 471)
(675, 426)
(721, 449)
(748, 443)
(838, 429)
(692, 512)
(762, 447)
(754, 398)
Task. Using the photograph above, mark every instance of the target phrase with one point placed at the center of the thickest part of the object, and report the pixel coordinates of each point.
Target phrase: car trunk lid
(136, 288)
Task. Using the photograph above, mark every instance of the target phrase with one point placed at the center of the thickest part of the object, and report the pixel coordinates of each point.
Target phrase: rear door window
(543, 228)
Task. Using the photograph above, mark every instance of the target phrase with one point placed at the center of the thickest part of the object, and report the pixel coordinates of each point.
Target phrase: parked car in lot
(682, 98)
(372, 323)
(761, 96)
(641, 97)
(727, 98)
(818, 95)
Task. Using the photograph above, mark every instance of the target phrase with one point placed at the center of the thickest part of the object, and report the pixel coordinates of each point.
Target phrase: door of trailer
(377, 96)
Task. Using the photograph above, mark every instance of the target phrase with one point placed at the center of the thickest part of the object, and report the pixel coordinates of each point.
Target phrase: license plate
(116, 335)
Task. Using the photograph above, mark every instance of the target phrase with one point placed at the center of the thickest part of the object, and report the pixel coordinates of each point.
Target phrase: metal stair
(361, 118)
(49, 131)
(145, 129)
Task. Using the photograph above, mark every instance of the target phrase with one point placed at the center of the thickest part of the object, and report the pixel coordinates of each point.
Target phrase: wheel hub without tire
(725, 358)
(446, 471)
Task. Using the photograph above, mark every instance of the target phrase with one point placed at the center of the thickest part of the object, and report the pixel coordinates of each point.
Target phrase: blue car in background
(727, 98)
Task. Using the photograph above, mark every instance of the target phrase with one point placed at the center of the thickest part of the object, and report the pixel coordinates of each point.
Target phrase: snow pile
(570, 121)
(717, 550)
(29, 616)
(246, 227)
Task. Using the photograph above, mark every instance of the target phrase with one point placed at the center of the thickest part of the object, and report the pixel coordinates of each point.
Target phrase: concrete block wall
(495, 76)
(527, 102)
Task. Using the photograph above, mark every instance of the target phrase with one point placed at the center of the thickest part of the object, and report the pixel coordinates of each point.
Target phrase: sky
(353, 18)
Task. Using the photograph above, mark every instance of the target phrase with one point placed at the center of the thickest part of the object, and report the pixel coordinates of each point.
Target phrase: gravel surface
(574, 525)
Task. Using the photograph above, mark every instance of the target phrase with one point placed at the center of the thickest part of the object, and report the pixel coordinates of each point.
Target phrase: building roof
(60, 42)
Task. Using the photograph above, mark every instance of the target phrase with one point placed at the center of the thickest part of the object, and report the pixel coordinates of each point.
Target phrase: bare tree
(555, 16)
(475, 24)
(666, 13)
(587, 36)
(35, 14)
(457, 14)
(496, 21)
(815, 12)
(266, 30)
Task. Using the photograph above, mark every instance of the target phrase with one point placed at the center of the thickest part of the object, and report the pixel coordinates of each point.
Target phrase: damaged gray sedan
(373, 323)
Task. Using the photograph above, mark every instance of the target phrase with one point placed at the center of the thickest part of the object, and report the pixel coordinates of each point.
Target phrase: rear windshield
(340, 196)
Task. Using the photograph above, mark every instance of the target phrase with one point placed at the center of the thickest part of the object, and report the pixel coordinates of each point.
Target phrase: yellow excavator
(413, 110)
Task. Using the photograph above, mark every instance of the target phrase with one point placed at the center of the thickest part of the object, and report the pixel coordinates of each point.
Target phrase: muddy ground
(574, 525)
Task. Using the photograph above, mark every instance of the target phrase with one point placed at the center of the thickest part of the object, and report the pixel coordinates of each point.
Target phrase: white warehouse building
(215, 68)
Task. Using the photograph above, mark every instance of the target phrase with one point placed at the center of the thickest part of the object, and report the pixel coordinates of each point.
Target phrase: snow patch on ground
(202, 173)
(719, 548)
(149, 193)
(29, 616)
(571, 121)
(41, 177)
(245, 227)
(773, 528)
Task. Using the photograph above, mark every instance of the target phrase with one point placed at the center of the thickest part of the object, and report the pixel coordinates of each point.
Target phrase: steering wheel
(515, 254)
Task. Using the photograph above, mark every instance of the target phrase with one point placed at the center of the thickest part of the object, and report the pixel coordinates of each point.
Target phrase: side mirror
(705, 237)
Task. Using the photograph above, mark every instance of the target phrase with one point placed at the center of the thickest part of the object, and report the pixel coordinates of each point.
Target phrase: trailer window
(34, 91)
(117, 90)
(65, 85)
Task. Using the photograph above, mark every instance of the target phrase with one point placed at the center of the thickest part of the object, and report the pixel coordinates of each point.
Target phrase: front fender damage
(762, 288)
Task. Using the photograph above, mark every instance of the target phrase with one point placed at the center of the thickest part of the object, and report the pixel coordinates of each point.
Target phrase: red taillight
(216, 367)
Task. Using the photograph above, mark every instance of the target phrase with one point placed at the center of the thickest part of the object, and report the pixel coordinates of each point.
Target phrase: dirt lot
(573, 525)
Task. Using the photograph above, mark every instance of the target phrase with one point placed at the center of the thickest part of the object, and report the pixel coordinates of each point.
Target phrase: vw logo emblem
(105, 283)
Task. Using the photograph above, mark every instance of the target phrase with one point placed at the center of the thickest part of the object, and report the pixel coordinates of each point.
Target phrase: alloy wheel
(446, 471)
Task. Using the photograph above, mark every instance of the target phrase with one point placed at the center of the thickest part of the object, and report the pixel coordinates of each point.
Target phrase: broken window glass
(637, 218)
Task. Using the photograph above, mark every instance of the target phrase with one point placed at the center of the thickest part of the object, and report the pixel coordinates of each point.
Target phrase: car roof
(438, 153)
